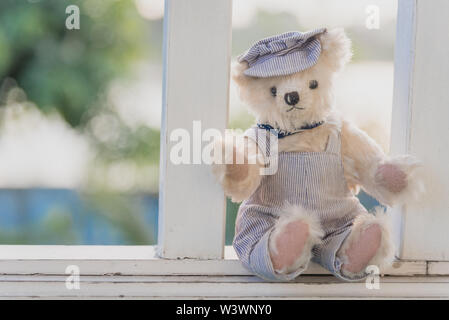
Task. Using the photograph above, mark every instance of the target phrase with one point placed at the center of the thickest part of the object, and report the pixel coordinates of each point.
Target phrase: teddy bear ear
(335, 49)
(237, 70)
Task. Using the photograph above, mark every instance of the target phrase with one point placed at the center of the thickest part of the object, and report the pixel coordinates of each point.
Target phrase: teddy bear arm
(239, 174)
(390, 180)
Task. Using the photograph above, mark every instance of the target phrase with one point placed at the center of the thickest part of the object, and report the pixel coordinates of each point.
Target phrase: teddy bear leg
(292, 240)
(369, 243)
(360, 253)
(290, 245)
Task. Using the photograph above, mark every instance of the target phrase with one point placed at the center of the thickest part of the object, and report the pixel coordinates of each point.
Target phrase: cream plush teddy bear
(307, 209)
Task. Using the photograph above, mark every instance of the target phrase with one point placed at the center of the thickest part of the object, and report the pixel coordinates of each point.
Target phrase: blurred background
(80, 109)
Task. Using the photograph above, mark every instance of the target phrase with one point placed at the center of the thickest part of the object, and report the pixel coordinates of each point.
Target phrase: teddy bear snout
(291, 98)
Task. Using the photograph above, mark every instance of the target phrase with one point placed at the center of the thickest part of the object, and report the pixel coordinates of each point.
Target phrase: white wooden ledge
(308, 287)
(136, 272)
(140, 261)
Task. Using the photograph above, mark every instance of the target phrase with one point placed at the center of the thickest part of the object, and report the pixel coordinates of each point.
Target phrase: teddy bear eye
(273, 91)
(313, 84)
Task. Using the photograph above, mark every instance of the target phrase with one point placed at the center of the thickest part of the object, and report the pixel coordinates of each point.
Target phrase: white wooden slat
(86, 252)
(208, 279)
(140, 261)
(164, 267)
(400, 123)
(419, 123)
(223, 287)
(438, 267)
(407, 268)
(197, 44)
(125, 267)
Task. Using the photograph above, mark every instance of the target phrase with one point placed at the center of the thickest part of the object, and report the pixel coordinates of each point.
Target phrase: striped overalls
(313, 180)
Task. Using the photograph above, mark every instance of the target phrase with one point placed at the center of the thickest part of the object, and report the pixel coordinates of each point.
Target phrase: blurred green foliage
(69, 72)
(67, 69)
(231, 214)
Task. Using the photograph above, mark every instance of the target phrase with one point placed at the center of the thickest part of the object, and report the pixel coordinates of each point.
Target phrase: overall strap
(262, 137)
(334, 142)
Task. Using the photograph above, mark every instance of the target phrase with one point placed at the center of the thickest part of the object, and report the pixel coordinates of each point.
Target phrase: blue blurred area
(63, 216)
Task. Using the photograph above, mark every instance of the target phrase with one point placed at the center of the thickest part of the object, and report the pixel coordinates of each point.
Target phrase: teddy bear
(307, 209)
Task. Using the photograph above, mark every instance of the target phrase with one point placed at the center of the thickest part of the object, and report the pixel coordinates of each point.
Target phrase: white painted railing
(420, 123)
(197, 54)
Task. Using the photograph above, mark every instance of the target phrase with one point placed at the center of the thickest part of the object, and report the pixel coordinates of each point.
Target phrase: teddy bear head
(299, 98)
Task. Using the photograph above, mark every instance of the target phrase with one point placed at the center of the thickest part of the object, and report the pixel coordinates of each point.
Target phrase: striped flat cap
(283, 54)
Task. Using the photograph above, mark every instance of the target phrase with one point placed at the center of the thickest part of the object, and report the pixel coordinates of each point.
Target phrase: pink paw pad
(391, 177)
(290, 244)
(363, 250)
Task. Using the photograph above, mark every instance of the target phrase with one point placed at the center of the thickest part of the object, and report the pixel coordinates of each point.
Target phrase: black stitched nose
(291, 98)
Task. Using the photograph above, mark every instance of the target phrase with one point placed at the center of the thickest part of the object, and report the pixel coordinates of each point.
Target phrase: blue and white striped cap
(283, 54)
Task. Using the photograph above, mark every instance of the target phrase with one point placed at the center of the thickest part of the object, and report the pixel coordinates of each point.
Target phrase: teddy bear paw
(229, 164)
(401, 178)
(391, 177)
(235, 170)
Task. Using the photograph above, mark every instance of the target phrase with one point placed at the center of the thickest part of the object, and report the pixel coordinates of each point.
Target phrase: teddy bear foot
(369, 243)
(292, 240)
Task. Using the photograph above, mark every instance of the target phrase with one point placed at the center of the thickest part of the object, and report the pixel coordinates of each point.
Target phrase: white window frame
(197, 55)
